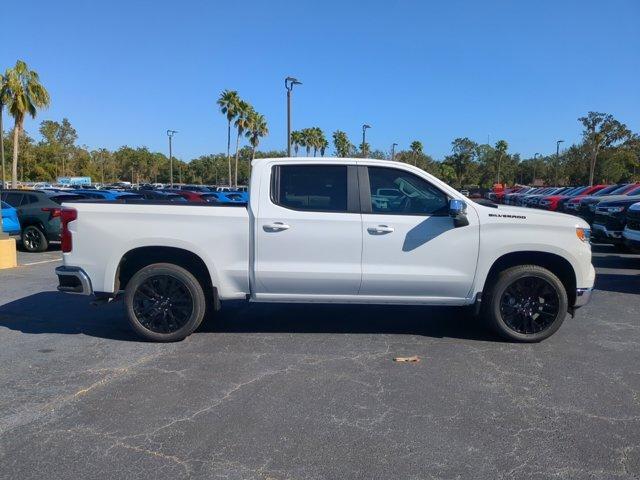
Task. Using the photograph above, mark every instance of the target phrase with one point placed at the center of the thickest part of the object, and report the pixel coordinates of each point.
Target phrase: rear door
(308, 232)
(411, 249)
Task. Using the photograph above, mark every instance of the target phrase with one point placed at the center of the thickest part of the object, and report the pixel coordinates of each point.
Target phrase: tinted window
(312, 187)
(398, 192)
(13, 199)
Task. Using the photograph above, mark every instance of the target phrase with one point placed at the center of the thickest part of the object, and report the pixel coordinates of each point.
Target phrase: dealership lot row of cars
(34, 215)
(613, 211)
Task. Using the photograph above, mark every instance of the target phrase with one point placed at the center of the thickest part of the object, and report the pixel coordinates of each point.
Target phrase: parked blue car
(10, 222)
(106, 194)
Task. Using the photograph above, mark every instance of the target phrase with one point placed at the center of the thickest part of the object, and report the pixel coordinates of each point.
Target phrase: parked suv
(610, 221)
(39, 215)
(631, 232)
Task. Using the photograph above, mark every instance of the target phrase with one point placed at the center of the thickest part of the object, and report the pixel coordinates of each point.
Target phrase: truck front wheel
(527, 303)
(164, 302)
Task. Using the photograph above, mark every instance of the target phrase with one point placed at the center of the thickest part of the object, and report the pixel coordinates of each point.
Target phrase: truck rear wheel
(527, 303)
(164, 302)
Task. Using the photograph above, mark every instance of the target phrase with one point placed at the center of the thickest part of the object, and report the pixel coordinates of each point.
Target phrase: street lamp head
(170, 133)
(365, 126)
(560, 141)
(395, 144)
(289, 82)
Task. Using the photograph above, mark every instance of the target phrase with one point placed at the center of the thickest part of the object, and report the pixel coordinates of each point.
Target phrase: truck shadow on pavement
(56, 313)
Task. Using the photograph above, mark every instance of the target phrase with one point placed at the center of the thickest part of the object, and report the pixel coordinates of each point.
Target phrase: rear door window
(14, 199)
(316, 188)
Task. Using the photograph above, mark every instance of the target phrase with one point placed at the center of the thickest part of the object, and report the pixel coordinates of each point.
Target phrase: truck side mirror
(458, 211)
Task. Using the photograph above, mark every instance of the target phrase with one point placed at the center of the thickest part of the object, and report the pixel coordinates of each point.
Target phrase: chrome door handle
(380, 229)
(276, 227)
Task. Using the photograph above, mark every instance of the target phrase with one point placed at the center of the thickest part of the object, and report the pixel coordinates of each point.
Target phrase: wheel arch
(137, 258)
(555, 263)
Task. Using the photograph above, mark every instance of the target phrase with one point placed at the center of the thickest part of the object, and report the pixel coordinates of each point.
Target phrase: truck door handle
(276, 227)
(380, 229)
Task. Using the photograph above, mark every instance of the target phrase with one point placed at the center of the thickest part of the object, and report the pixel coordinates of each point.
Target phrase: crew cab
(329, 231)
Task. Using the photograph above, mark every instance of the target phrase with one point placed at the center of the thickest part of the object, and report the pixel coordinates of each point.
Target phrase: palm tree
(307, 139)
(257, 129)
(228, 103)
(23, 94)
(323, 146)
(319, 141)
(297, 139)
(243, 112)
(416, 149)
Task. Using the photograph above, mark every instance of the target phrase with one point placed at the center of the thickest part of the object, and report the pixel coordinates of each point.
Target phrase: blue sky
(124, 72)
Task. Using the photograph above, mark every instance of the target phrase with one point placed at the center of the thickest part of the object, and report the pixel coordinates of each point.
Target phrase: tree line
(607, 152)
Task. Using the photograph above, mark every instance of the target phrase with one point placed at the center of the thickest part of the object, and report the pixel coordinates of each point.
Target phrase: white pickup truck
(329, 231)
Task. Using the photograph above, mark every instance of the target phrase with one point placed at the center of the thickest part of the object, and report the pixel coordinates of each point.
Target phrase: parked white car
(314, 232)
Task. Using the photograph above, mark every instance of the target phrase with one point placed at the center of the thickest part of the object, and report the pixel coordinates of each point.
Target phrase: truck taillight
(67, 215)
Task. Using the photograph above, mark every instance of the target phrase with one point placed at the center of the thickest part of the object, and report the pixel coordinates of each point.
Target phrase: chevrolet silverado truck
(329, 231)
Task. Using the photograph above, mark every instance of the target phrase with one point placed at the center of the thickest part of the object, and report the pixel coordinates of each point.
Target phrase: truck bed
(106, 230)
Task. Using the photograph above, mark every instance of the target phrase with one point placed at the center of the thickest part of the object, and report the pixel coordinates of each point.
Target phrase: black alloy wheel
(529, 305)
(163, 304)
(33, 239)
(525, 303)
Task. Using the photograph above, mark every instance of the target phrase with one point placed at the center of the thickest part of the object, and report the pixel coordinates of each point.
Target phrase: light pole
(364, 135)
(170, 134)
(393, 151)
(558, 158)
(289, 82)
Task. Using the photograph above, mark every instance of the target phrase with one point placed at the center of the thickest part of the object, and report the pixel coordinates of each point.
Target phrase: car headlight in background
(615, 209)
(583, 234)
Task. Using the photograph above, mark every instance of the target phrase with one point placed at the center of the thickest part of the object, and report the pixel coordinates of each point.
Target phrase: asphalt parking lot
(300, 392)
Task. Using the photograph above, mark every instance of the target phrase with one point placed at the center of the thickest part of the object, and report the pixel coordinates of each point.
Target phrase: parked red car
(553, 202)
(198, 197)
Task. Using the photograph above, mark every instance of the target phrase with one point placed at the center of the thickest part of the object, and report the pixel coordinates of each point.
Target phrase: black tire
(164, 302)
(34, 239)
(527, 303)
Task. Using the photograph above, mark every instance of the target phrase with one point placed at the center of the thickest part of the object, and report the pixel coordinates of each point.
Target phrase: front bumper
(631, 238)
(73, 280)
(600, 232)
(583, 296)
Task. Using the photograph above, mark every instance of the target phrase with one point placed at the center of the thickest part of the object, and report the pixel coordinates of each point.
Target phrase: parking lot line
(40, 262)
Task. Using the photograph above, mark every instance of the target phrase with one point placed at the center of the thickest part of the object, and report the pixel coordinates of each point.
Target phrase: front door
(411, 248)
(308, 237)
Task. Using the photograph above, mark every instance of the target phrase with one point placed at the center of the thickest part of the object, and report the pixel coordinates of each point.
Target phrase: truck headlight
(583, 234)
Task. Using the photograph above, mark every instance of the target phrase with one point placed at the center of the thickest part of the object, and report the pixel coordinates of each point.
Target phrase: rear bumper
(73, 280)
